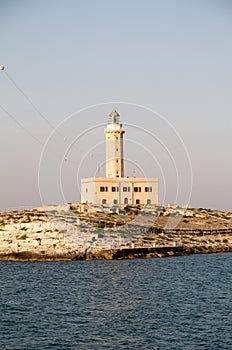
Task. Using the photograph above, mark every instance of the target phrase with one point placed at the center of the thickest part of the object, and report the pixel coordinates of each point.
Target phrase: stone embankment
(111, 254)
(66, 234)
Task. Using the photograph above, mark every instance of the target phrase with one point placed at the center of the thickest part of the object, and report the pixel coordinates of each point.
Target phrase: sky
(164, 65)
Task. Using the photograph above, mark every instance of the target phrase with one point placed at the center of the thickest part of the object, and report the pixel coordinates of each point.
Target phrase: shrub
(23, 237)
(132, 209)
(100, 225)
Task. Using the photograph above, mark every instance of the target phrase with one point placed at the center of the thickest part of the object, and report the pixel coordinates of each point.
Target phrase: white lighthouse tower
(114, 146)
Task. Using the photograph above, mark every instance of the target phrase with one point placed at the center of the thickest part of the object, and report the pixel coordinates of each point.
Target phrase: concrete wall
(91, 191)
(88, 191)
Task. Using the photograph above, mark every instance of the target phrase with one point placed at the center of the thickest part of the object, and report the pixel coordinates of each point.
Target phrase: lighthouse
(116, 189)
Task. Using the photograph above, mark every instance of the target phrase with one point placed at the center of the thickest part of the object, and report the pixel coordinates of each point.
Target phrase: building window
(137, 189)
(115, 201)
(86, 190)
(104, 201)
(114, 189)
(116, 149)
(117, 161)
(126, 189)
(137, 201)
(148, 201)
(125, 200)
(103, 189)
(148, 189)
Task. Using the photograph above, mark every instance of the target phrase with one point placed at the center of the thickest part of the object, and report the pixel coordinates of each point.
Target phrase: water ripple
(172, 303)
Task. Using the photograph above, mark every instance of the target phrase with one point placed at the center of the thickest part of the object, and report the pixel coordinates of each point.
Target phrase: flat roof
(120, 179)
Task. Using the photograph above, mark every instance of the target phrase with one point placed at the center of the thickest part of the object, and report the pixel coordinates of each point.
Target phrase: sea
(169, 303)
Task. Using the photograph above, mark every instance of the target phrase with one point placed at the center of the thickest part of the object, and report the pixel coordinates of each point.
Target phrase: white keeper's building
(115, 189)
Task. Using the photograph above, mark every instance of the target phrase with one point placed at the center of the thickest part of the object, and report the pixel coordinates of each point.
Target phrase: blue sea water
(168, 303)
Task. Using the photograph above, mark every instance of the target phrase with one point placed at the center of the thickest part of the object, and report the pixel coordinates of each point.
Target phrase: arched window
(125, 200)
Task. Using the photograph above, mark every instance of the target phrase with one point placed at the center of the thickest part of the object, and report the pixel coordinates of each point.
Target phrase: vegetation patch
(22, 237)
(100, 225)
(148, 238)
(133, 210)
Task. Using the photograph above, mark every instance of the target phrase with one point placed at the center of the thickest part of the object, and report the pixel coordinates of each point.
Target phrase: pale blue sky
(173, 57)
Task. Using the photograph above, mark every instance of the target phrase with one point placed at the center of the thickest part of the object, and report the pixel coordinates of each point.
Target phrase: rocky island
(85, 232)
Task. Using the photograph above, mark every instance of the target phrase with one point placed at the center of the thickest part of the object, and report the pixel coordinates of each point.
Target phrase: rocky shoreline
(67, 234)
(113, 254)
